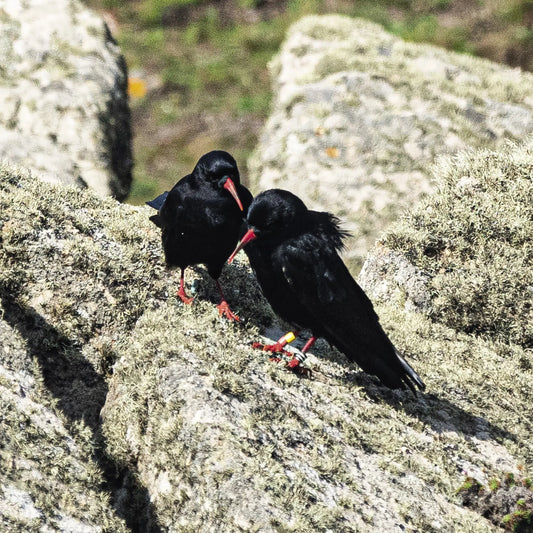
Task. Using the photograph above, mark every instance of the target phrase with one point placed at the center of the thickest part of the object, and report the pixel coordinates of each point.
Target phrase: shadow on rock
(438, 413)
(80, 392)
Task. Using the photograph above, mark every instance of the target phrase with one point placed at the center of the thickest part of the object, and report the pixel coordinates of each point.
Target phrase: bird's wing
(172, 212)
(320, 280)
(158, 202)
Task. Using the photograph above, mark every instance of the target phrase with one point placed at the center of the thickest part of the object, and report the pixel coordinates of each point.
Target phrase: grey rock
(118, 401)
(387, 276)
(463, 254)
(64, 109)
(359, 117)
(122, 409)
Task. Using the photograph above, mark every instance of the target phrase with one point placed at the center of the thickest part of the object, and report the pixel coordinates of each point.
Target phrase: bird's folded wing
(323, 284)
(346, 317)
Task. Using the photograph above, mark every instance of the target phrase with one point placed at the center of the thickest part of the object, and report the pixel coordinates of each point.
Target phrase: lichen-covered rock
(465, 254)
(388, 276)
(50, 478)
(63, 95)
(360, 115)
(121, 405)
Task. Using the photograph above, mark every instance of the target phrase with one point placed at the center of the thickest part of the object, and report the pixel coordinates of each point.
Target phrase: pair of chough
(208, 216)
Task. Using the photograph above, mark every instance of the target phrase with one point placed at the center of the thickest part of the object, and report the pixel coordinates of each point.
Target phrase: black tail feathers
(411, 378)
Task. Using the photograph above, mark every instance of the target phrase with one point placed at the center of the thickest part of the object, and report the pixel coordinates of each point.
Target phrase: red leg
(309, 344)
(223, 307)
(181, 291)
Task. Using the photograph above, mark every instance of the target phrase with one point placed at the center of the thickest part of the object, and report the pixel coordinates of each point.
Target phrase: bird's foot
(277, 347)
(295, 365)
(183, 297)
(280, 355)
(224, 310)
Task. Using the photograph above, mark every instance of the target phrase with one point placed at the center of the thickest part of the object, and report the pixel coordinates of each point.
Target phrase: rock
(464, 255)
(512, 499)
(388, 276)
(50, 479)
(123, 409)
(64, 109)
(359, 116)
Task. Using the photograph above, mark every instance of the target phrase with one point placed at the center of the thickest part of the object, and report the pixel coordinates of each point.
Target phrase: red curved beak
(230, 187)
(248, 237)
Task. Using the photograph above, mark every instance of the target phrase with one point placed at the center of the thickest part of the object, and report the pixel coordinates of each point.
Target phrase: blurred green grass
(204, 64)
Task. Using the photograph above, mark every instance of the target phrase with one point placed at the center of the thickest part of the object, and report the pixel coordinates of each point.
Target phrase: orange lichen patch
(136, 87)
(332, 151)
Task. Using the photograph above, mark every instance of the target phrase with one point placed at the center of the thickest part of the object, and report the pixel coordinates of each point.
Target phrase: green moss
(494, 484)
(469, 485)
(520, 520)
(509, 479)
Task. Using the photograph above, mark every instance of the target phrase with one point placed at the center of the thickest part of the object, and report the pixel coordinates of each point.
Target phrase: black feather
(158, 202)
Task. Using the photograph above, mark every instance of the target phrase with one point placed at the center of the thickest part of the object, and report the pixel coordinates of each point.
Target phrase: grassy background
(204, 64)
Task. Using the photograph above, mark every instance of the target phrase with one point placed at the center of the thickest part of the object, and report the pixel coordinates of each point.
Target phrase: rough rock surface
(63, 95)
(359, 116)
(465, 255)
(122, 409)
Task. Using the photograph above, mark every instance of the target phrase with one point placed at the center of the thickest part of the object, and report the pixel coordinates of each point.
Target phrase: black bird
(201, 219)
(294, 253)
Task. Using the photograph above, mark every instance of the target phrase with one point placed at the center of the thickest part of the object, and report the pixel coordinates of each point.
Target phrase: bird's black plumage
(157, 203)
(295, 257)
(200, 218)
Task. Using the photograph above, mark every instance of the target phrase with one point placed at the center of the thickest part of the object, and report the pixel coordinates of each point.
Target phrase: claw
(295, 365)
(279, 355)
(183, 296)
(224, 310)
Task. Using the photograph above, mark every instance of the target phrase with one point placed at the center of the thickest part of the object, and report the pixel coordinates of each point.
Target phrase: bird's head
(273, 214)
(219, 169)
